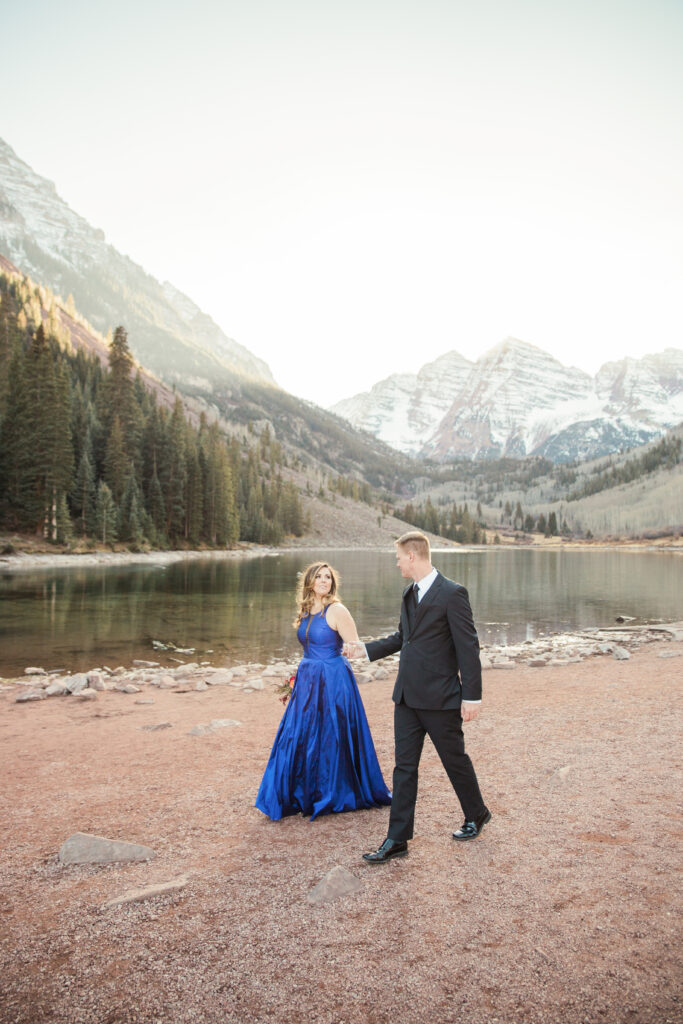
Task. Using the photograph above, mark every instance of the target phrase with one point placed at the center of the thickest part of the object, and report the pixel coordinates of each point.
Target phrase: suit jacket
(439, 665)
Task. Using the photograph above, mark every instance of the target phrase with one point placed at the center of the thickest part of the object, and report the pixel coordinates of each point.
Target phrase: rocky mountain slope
(169, 334)
(40, 236)
(518, 400)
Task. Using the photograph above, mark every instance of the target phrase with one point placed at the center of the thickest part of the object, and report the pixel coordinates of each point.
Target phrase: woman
(323, 759)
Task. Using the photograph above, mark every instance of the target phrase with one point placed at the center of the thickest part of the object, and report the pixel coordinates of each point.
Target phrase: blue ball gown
(323, 759)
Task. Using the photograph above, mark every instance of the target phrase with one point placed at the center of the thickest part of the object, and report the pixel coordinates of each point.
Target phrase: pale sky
(354, 188)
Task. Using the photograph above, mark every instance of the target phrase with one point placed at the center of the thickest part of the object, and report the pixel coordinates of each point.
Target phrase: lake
(241, 610)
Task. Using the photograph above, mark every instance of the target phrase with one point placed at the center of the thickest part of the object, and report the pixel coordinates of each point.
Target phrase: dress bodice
(319, 641)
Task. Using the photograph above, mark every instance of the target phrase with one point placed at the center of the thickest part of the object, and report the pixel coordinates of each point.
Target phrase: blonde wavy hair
(304, 591)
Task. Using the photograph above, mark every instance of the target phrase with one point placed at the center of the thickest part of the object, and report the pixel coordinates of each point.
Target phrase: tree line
(87, 451)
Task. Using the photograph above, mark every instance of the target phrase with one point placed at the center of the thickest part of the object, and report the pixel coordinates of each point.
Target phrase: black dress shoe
(389, 848)
(471, 829)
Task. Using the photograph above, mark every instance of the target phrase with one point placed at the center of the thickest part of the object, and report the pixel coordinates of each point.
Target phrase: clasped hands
(355, 649)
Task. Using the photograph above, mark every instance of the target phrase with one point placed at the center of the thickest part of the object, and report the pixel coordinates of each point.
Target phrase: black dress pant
(444, 728)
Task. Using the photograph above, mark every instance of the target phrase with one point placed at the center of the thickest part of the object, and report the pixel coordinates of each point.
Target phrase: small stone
(77, 683)
(185, 670)
(217, 723)
(621, 654)
(605, 648)
(82, 848)
(201, 685)
(118, 671)
(167, 683)
(145, 664)
(562, 773)
(337, 882)
(56, 689)
(87, 694)
(147, 700)
(485, 662)
(363, 677)
(33, 671)
(157, 727)
(96, 682)
(221, 677)
(148, 892)
(381, 673)
(31, 695)
(127, 688)
(274, 671)
(503, 664)
(537, 662)
(670, 654)
(257, 684)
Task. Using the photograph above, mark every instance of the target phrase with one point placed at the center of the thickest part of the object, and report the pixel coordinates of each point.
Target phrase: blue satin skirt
(323, 759)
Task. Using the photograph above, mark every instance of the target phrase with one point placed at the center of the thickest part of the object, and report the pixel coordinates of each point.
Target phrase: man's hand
(355, 649)
(469, 711)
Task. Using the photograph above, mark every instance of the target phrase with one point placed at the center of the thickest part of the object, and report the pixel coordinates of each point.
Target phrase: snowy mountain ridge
(518, 400)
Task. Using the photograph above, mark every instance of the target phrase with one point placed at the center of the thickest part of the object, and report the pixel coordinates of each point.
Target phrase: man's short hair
(415, 540)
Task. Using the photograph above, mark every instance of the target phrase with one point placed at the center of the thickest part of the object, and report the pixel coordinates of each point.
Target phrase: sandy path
(565, 910)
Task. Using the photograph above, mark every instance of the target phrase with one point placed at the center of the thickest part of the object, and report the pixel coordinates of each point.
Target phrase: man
(438, 687)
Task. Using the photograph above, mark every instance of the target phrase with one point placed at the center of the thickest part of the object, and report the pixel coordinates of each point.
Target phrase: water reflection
(232, 611)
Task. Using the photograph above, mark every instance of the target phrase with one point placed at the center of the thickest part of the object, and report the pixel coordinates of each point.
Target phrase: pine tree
(105, 514)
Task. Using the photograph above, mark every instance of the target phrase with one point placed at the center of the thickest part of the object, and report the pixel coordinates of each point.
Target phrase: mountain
(168, 333)
(405, 409)
(517, 400)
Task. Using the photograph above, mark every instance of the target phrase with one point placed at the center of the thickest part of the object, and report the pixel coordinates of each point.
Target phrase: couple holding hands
(323, 759)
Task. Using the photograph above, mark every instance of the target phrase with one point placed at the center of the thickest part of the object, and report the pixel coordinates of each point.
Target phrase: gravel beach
(566, 909)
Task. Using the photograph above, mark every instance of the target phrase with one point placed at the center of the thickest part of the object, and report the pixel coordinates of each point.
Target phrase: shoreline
(22, 560)
(555, 651)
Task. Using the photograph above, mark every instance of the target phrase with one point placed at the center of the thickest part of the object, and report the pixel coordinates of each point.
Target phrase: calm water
(235, 611)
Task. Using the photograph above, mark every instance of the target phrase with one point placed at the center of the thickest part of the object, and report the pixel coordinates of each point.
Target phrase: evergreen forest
(87, 451)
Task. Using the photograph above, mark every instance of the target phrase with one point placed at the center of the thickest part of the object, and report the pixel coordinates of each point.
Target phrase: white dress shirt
(423, 586)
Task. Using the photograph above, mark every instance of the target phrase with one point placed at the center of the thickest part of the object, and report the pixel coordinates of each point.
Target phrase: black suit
(439, 667)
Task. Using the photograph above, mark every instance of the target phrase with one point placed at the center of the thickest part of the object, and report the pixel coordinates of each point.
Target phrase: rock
(257, 684)
(87, 694)
(562, 773)
(31, 695)
(485, 662)
(201, 685)
(274, 671)
(237, 670)
(96, 682)
(605, 648)
(363, 677)
(56, 689)
(185, 670)
(337, 882)
(118, 671)
(33, 671)
(221, 677)
(148, 892)
(625, 618)
(157, 727)
(127, 688)
(77, 683)
(381, 673)
(145, 664)
(670, 654)
(557, 662)
(503, 664)
(621, 654)
(167, 683)
(537, 662)
(148, 700)
(217, 723)
(82, 848)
